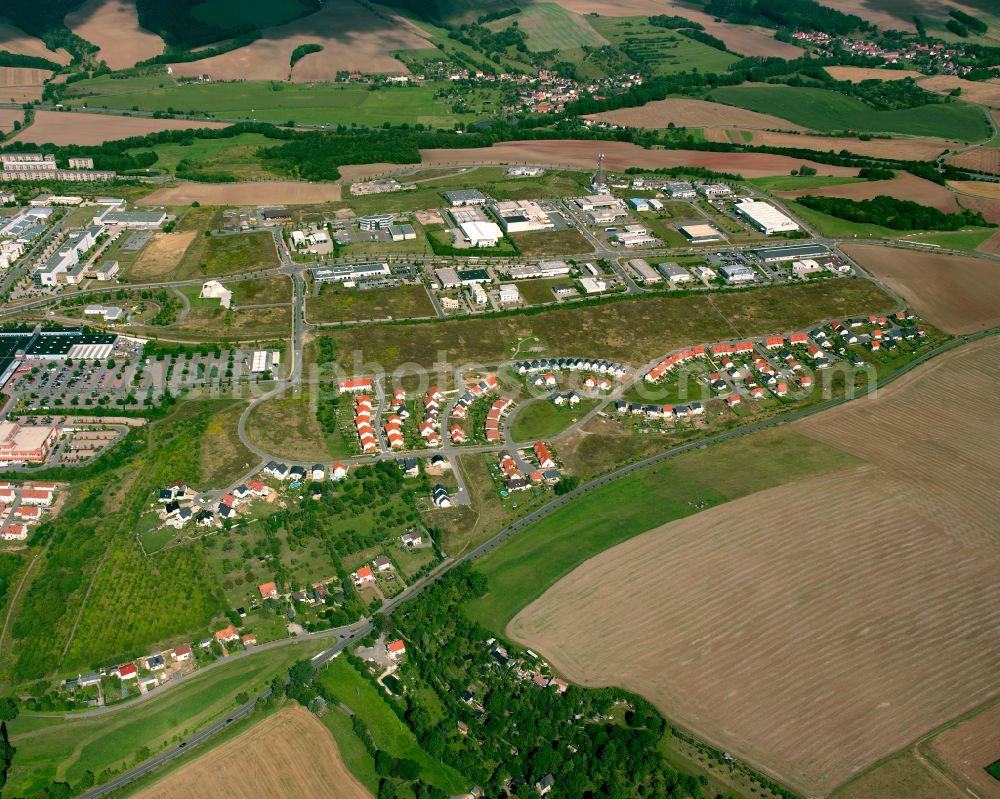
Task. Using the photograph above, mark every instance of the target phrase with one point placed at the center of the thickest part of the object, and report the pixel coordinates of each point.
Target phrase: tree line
(894, 213)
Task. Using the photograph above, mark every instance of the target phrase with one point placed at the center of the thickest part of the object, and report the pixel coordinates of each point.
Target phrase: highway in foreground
(417, 588)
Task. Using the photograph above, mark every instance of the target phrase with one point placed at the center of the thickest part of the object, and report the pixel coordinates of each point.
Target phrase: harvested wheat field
(161, 256)
(285, 756)
(901, 777)
(741, 39)
(815, 645)
(966, 749)
(910, 149)
(113, 25)
(262, 192)
(858, 74)
(977, 188)
(956, 293)
(15, 40)
(991, 246)
(8, 116)
(22, 85)
(985, 92)
(618, 156)
(74, 127)
(692, 114)
(904, 186)
(351, 35)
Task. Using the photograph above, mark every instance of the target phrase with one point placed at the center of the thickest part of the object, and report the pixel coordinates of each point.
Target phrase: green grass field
(389, 732)
(542, 419)
(835, 227)
(632, 331)
(663, 51)
(314, 103)
(551, 27)
(551, 242)
(526, 565)
(795, 183)
(214, 256)
(234, 156)
(825, 110)
(52, 748)
(956, 241)
(338, 304)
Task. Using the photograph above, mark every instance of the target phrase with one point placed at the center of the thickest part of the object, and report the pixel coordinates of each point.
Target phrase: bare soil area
(985, 92)
(904, 187)
(980, 159)
(15, 40)
(75, 127)
(113, 25)
(979, 188)
(8, 116)
(684, 112)
(22, 85)
(285, 756)
(352, 36)
(968, 748)
(915, 149)
(250, 193)
(161, 256)
(841, 632)
(858, 74)
(957, 293)
(902, 777)
(576, 154)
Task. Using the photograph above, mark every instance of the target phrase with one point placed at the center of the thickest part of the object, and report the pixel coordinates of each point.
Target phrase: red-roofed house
(257, 488)
(773, 342)
(742, 347)
(733, 400)
(182, 652)
(798, 338)
(806, 381)
(36, 496)
(350, 386)
(781, 389)
(14, 532)
(339, 471)
(249, 639)
(268, 590)
(227, 634)
(757, 392)
(127, 671)
(364, 576)
(28, 514)
(395, 649)
(545, 459)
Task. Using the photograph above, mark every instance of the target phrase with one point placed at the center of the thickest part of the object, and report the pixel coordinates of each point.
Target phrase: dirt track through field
(685, 112)
(907, 149)
(352, 36)
(904, 187)
(262, 192)
(815, 627)
(285, 756)
(73, 127)
(113, 25)
(577, 154)
(956, 293)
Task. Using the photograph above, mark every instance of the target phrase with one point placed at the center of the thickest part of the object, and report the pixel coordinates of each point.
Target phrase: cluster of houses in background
(22, 505)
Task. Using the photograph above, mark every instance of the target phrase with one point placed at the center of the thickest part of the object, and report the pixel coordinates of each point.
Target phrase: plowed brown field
(904, 186)
(978, 188)
(981, 159)
(162, 255)
(252, 192)
(692, 114)
(858, 74)
(22, 85)
(351, 35)
(907, 149)
(985, 92)
(285, 756)
(956, 293)
(968, 748)
(15, 40)
(113, 25)
(72, 127)
(8, 116)
(816, 627)
(576, 154)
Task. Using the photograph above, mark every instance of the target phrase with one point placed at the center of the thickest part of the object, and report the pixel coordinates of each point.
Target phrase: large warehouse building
(765, 217)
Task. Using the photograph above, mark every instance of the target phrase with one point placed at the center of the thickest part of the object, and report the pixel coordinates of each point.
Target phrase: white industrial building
(765, 216)
(350, 272)
(134, 220)
(520, 216)
(738, 274)
(680, 190)
(447, 277)
(698, 234)
(264, 360)
(481, 234)
(715, 190)
(631, 240)
(541, 269)
(644, 271)
(593, 285)
(509, 295)
(597, 202)
(674, 272)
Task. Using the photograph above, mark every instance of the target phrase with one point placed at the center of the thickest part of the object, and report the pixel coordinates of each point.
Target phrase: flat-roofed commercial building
(644, 271)
(519, 216)
(25, 443)
(596, 202)
(793, 252)
(376, 221)
(541, 269)
(460, 197)
(698, 234)
(765, 217)
(349, 272)
(481, 234)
